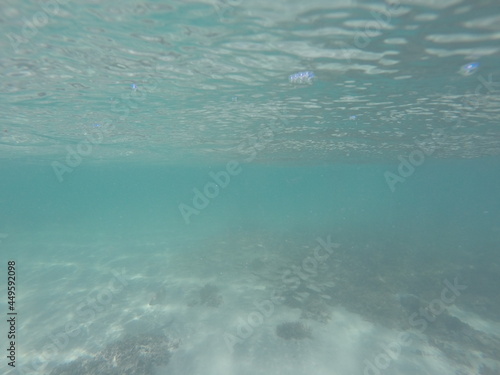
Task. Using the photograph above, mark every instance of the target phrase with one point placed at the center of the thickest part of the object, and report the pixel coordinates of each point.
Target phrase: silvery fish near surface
(469, 69)
(302, 77)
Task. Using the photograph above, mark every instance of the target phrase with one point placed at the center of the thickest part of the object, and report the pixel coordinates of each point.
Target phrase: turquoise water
(230, 187)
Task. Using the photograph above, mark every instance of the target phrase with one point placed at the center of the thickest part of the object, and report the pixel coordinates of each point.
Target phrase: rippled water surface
(208, 76)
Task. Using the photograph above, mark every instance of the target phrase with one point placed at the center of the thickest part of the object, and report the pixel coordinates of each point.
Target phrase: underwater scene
(230, 187)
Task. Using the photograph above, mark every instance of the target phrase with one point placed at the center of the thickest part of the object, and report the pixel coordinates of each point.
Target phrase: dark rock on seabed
(293, 330)
(131, 355)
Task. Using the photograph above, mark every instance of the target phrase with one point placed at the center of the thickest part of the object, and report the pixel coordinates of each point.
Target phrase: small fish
(302, 78)
(469, 69)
